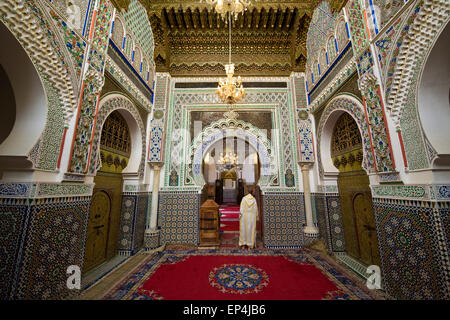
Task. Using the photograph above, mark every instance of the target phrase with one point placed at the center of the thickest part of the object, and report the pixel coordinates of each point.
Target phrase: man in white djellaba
(247, 221)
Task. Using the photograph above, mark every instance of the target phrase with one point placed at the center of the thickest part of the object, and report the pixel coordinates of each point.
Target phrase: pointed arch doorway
(105, 209)
(354, 192)
(256, 156)
(228, 184)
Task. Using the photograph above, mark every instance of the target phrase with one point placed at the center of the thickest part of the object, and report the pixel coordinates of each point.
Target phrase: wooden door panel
(97, 234)
(358, 218)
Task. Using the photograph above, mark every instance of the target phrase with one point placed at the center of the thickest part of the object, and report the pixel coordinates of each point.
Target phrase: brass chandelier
(231, 90)
(228, 161)
(234, 7)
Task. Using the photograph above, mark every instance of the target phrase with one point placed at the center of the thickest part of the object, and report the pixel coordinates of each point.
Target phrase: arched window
(341, 35)
(118, 32)
(309, 78)
(323, 61)
(331, 49)
(316, 71)
(144, 70)
(346, 144)
(137, 58)
(129, 46)
(115, 134)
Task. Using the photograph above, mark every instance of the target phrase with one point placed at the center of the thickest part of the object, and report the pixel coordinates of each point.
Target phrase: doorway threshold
(99, 272)
(355, 265)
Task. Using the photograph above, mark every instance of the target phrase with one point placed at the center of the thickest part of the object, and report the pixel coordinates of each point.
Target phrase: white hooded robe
(247, 221)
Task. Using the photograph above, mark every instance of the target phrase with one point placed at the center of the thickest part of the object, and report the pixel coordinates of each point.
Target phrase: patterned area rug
(239, 275)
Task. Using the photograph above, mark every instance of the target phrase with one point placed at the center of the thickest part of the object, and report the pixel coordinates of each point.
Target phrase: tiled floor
(98, 289)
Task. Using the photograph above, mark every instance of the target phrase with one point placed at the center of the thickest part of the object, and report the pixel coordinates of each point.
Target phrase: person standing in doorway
(247, 221)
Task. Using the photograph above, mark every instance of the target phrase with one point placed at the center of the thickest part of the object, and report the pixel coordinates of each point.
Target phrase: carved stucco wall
(277, 101)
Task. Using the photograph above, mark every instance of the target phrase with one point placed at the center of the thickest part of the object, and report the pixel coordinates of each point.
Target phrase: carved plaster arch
(233, 128)
(23, 20)
(334, 109)
(427, 22)
(29, 107)
(432, 99)
(109, 103)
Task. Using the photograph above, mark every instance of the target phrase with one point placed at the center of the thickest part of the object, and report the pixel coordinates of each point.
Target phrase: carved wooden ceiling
(191, 39)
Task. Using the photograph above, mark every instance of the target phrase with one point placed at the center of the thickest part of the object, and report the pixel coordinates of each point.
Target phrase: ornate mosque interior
(124, 121)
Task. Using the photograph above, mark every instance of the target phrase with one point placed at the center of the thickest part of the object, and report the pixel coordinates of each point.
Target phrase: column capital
(305, 165)
(157, 165)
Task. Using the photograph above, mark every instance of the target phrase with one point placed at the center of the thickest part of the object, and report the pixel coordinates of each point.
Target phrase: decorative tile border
(389, 177)
(132, 223)
(353, 264)
(47, 189)
(135, 188)
(41, 190)
(442, 192)
(401, 192)
(334, 216)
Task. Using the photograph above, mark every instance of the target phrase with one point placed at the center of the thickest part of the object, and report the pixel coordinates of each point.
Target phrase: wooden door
(97, 234)
(365, 229)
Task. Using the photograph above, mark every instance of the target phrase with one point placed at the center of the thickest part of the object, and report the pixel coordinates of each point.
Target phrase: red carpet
(230, 274)
(219, 277)
(229, 226)
(229, 220)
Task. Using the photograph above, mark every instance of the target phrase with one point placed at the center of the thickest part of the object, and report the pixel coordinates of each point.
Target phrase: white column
(310, 228)
(153, 214)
